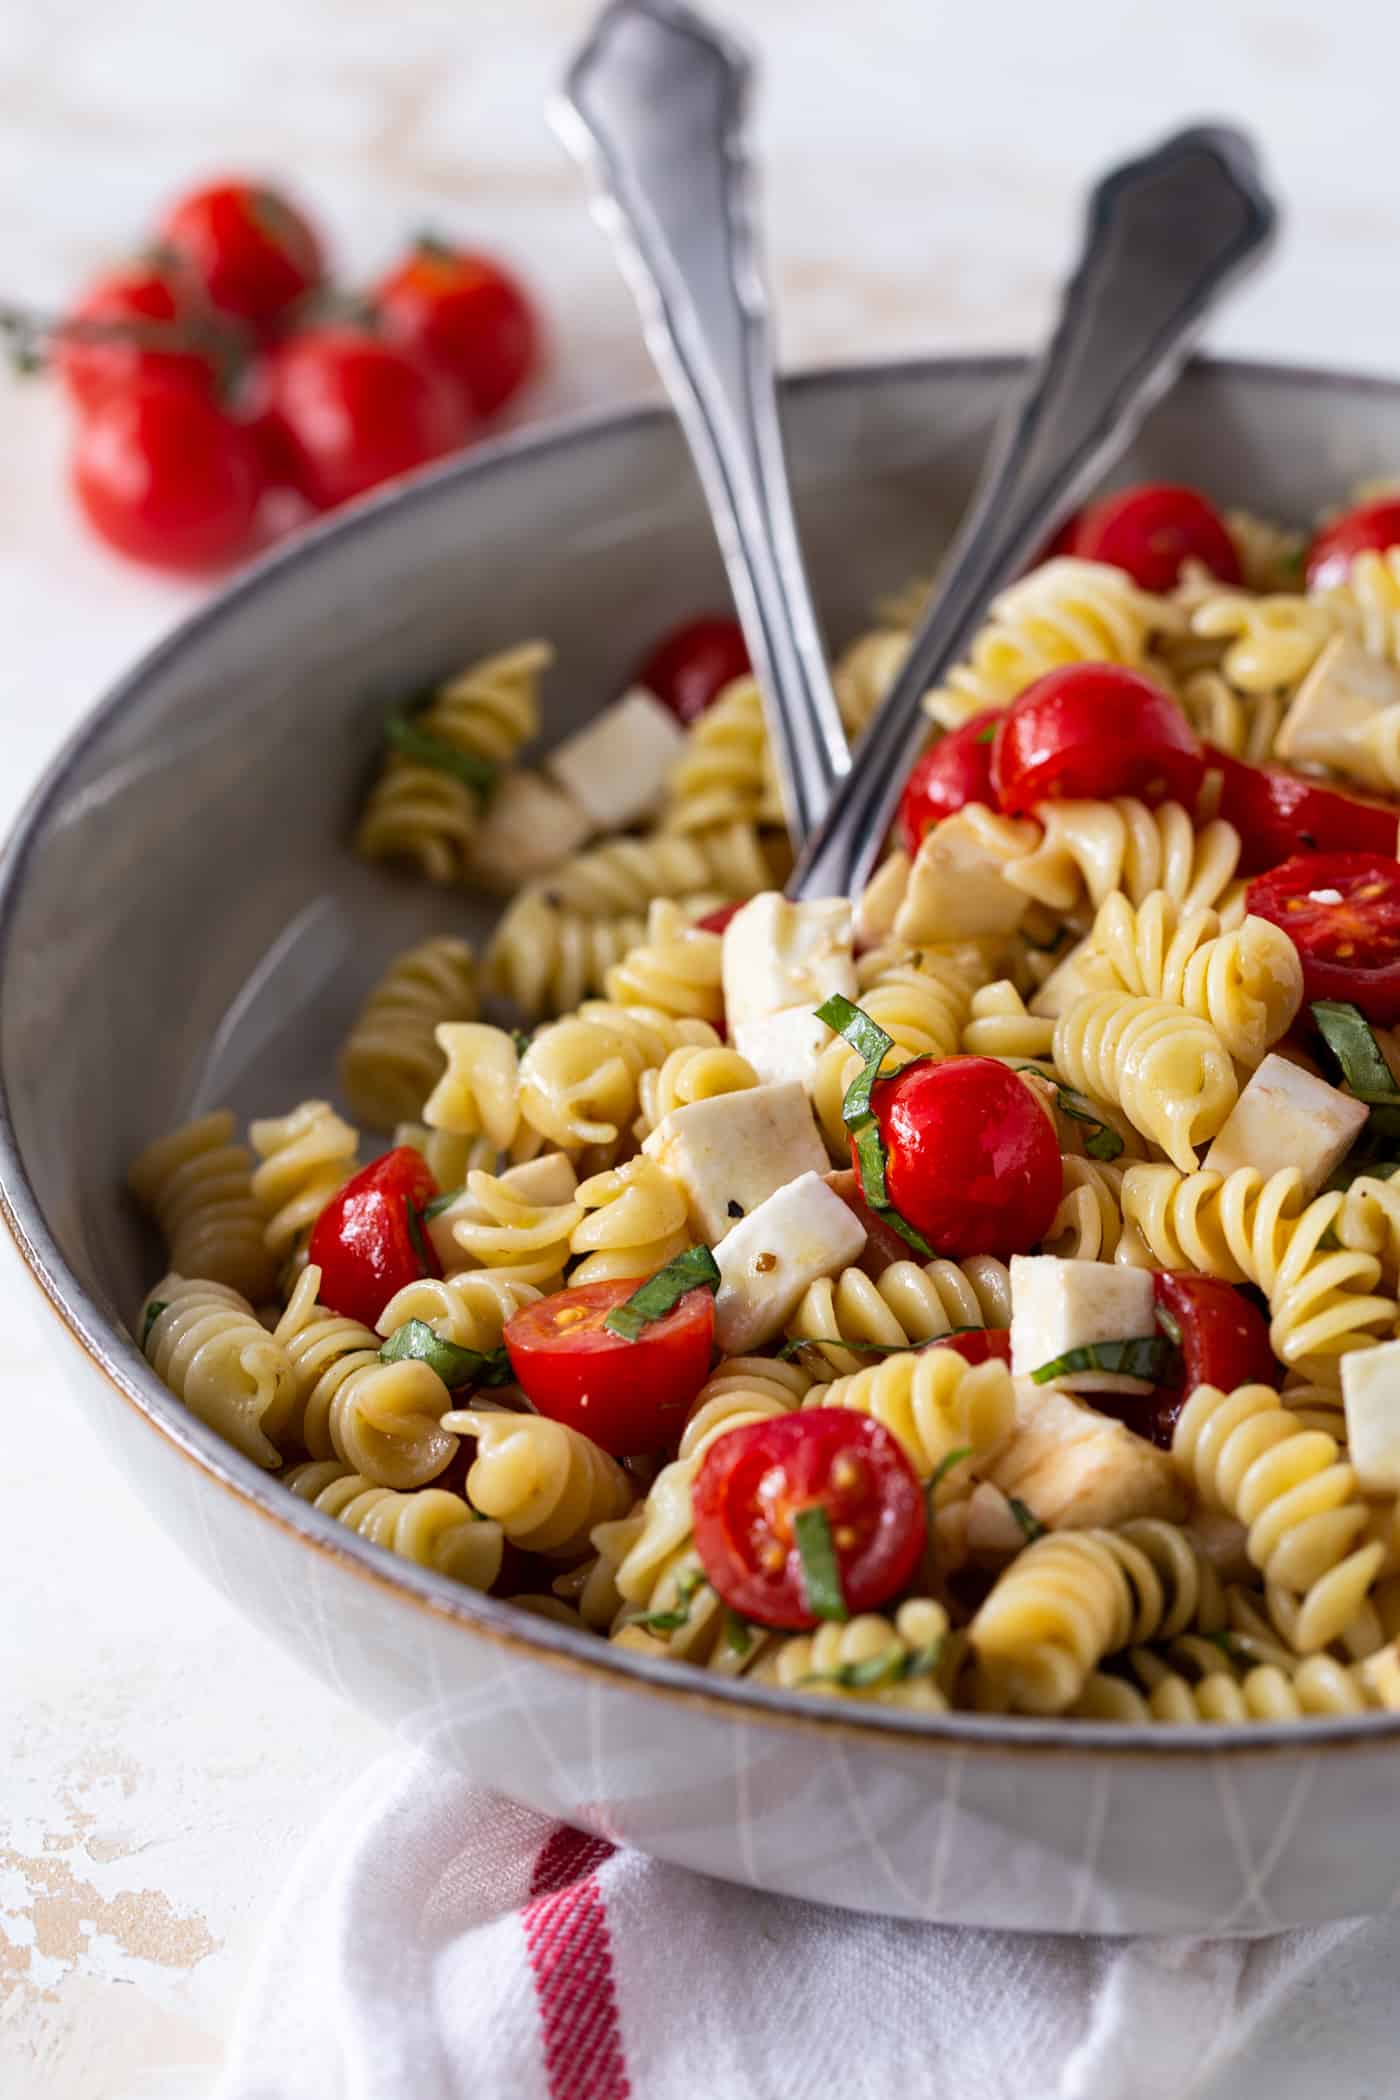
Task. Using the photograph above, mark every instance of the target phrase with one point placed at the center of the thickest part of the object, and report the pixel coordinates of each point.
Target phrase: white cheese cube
(800, 1234)
(1059, 1305)
(785, 1046)
(530, 825)
(957, 886)
(1371, 1392)
(1073, 1468)
(730, 1153)
(779, 954)
(1338, 701)
(615, 767)
(1288, 1117)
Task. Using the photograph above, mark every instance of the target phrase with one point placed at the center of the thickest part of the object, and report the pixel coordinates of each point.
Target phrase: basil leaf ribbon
(821, 1573)
(439, 1204)
(1352, 1042)
(454, 1365)
(870, 1040)
(415, 1233)
(695, 1269)
(1027, 1519)
(894, 1665)
(1145, 1356)
(687, 1589)
(412, 741)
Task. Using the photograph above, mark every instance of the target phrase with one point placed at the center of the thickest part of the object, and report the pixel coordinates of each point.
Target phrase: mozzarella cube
(800, 1234)
(731, 1153)
(1059, 1305)
(784, 1047)
(1338, 701)
(1288, 1117)
(880, 900)
(1073, 1468)
(530, 825)
(779, 954)
(616, 766)
(1371, 1392)
(957, 886)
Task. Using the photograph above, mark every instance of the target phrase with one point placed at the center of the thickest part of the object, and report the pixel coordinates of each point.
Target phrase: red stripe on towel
(566, 1937)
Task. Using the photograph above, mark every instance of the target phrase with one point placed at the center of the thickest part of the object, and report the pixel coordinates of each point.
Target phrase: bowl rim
(114, 1354)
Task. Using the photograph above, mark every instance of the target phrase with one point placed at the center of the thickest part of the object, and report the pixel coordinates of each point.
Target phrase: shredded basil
(821, 1574)
(870, 1040)
(1105, 1143)
(415, 1233)
(1348, 1035)
(988, 735)
(410, 740)
(1146, 1356)
(738, 1634)
(946, 1464)
(839, 1341)
(894, 1665)
(153, 1312)
(439, 1204)
(661, 1293)
(454, 1365)
(522, 1040)
(1027, 1519)
(687, 1589)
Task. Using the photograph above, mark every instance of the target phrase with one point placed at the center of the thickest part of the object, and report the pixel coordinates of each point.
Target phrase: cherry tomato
(716, 921)
(166, 477)
(691, 666)
(1224, 1342)
(348, 410)
(369, 1241)
(1095, 730)
(1151, 530)
(883, 1245)
(465, 315)
(1279, 814)
(1342, 913)
(161, 327)
(1371, 529)
(254, 253)
(627, 1396)
(973, 1162)
(978, 1346)
(754, 1482)
(955, 771)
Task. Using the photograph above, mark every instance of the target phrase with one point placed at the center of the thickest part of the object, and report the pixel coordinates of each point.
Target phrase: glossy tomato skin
(1349, 949)
(979, 1346)
(754, 1481)
(465, 315)
(1150, 530)
(364, 1243)
(1224, 1342)
(1095, 730)
(953, 772)
(254, 253)
(716, 921)
(1279, 814)
(628, 1396)
(346, 411)
(1369, 529)
(162, 328)
(164, 476)
(691, 666)
(972, 1160)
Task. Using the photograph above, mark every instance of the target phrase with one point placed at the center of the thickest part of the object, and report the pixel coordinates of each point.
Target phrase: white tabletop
(159, 1758)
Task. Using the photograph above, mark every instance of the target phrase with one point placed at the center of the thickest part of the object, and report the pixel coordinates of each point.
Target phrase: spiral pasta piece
(381, 1419)
(1272, 643)
(431, 1526)
(197, 1184)
(579, 1083)
(864, 673)
(1368, 1222)
(1318, 1686)
(1000, 1026)
(307, 1156)
(674, 971)
(695, 1072)
(206, 1343)
(1168, 1071)
(724, 774)
(634, 1222)
(1089, 1221)
(1244, 724)
(1248, 984)
(1094, 848)
(888, 1661)
(472, 1308)
(934, 1403)
(740, 1390)
(522, 1241)
(543, 1483)
(392, 1059)
(1368, 603)
(904, 1307)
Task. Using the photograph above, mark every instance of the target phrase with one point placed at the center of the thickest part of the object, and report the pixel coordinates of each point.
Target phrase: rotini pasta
(433, 1527)
(206, 1343)
(1099, 847)
(307, 1156)
(544, 1484)
(934, 1402)
(905, 1306)
(724, 775)
(894, 1662)
(392, 1060)
(674, 971)
(383, 1420)
(1247, 984)
(1167, 1070)
(522, 1241)
(198, 1186)
(634, 1222)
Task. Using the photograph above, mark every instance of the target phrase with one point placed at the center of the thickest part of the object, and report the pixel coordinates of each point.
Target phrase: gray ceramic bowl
(180, 923)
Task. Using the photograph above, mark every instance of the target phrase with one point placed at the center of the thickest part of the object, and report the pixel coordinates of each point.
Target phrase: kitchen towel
(436, 1942)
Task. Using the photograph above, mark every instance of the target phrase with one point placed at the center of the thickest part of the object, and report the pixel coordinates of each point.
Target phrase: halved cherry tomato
(1342, 913)
(755, 1481)
(1369, 529)
(691, 666)
(716, 921)
(628, 1397)
(347, 410)
(1095, 730)
(978, 1346)
(956, 771)
(138, 322)
(166, 477)
(1224, 1342)
(252, 250)
(1278, 814)
(1151, 530)
(467, 316)
(972, 1160)
(369, 1241)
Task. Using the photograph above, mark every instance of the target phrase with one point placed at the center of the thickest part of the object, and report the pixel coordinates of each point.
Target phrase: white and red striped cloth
(437, 1943)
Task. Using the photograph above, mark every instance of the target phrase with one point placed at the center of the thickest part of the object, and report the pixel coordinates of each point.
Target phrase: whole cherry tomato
(1370, 529)
(254, 253)
(1151, 530)
(691, 666)
(166, 477)
(628, 1396)
(755, 1482)
(1095, 730)
(347, 410)
(465, 315)
(1224, 1341)
(953, 772)
(1279, 814)
(369, 1240)
(1342, 913)
(716, 921)
(972, 1160)
(138, 322)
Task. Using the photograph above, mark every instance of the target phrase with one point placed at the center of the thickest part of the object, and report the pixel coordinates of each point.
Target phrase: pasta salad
(983, 1293)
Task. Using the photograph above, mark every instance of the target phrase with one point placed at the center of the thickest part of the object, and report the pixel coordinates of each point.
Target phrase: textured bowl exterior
(180, 924)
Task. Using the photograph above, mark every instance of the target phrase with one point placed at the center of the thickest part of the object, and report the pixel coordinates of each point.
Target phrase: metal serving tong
(655, 107)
